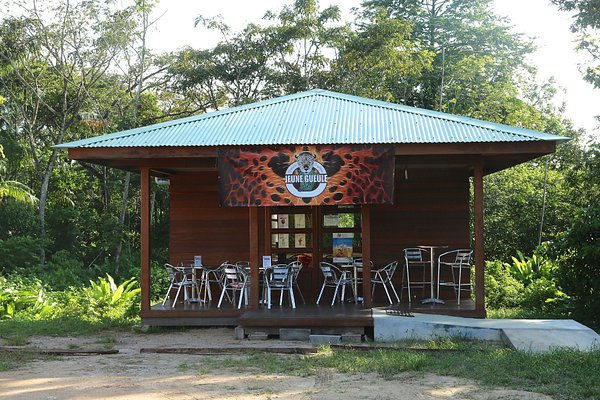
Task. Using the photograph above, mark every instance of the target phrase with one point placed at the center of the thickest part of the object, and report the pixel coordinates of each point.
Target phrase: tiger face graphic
(306, 162)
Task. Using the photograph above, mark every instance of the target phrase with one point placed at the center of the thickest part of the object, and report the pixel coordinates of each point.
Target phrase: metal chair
(234, 280)
(414, 257)
(384, 276)
(296, 267)
(279, 277)
(211, 276)
(178, 279)
(457, 261)
(333, 277)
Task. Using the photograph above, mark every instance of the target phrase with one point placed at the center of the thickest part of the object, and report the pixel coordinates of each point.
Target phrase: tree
(578, 248)
(473, 50)
(12, 188)
(238, 70)
(53, 60)
(379, 61)
(586, 22)
(293, 53)
(303, 37)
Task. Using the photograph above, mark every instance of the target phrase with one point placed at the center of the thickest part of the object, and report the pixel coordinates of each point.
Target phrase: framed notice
(330, 220)
(197, 261)
(299, 221)
(283, 221)
(283, 240)
(342, 247)
(299, 240)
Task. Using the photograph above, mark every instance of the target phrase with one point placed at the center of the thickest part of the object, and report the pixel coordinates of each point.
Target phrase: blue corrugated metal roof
(315, 117)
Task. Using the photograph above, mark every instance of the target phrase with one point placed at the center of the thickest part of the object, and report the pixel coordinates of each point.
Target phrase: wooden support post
(479, 250)
(366, 255)
(317, 252)
(254, 257)
(145, 233)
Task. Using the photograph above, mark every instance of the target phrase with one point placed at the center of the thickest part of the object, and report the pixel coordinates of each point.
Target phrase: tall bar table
(432, 299)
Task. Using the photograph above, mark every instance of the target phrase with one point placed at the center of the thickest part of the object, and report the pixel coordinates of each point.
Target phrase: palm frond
(17, 191)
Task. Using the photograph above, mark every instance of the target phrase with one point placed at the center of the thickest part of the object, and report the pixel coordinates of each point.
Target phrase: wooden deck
(305, 315)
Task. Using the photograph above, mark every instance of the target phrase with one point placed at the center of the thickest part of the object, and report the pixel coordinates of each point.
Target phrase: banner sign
(306, 175)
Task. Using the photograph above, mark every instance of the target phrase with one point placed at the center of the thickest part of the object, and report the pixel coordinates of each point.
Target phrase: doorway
(311, 235)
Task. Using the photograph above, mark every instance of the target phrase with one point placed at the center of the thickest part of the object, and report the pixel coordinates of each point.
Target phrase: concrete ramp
(520, 334)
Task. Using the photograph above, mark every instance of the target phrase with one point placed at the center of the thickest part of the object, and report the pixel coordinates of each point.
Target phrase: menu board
(266, 262)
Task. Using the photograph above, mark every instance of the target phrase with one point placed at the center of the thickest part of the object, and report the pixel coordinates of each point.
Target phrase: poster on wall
(283, 240)
(283, 221)
(300, 240)
(331, 220)
(306, 175)
(299, 221)
(342, 247)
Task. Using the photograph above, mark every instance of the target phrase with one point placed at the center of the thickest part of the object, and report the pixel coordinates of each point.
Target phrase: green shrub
(105, 299)
(537, 276)
(19, 296)
(17, 219)
(501, 288)
(63, 271)
(579, 266)
(542, 295)
(160, 281)
(19, 252)
(527, 269)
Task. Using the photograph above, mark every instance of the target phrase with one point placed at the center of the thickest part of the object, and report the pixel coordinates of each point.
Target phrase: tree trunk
(119, 247)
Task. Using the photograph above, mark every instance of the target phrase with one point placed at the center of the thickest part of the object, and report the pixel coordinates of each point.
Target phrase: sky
(555, 56)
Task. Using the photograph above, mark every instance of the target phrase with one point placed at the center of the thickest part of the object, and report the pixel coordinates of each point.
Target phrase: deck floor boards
(341, 314)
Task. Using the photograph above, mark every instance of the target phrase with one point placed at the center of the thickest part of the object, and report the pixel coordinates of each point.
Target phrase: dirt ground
(131, 374)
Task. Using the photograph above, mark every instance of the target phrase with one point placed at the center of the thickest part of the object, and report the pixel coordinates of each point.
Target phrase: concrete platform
(520, 334)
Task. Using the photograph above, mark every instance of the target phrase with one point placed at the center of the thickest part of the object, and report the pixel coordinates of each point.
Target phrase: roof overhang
(165, 161)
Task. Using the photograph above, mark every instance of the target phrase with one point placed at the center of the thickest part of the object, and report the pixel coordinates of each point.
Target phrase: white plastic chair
(457, 261)
(415, 257)
(384, 276)
(333, 277)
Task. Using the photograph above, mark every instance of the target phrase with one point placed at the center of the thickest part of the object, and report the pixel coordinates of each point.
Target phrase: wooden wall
(200, 227)
(431, 207)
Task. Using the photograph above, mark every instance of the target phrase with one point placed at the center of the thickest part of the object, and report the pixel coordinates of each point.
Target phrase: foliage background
(71, 70)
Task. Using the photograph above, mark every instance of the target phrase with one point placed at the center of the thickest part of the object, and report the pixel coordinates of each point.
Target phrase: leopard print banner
(306, 175)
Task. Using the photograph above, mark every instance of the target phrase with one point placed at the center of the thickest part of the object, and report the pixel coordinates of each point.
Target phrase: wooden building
(383, 176)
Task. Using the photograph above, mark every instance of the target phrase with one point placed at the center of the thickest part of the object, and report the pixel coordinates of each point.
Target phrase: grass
(13, 360)
(562, 374)
(60, 327)
(16, 332)
(108, 341)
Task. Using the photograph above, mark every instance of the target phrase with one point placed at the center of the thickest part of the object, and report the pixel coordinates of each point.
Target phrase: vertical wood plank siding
(431, 207)
(200, 227)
